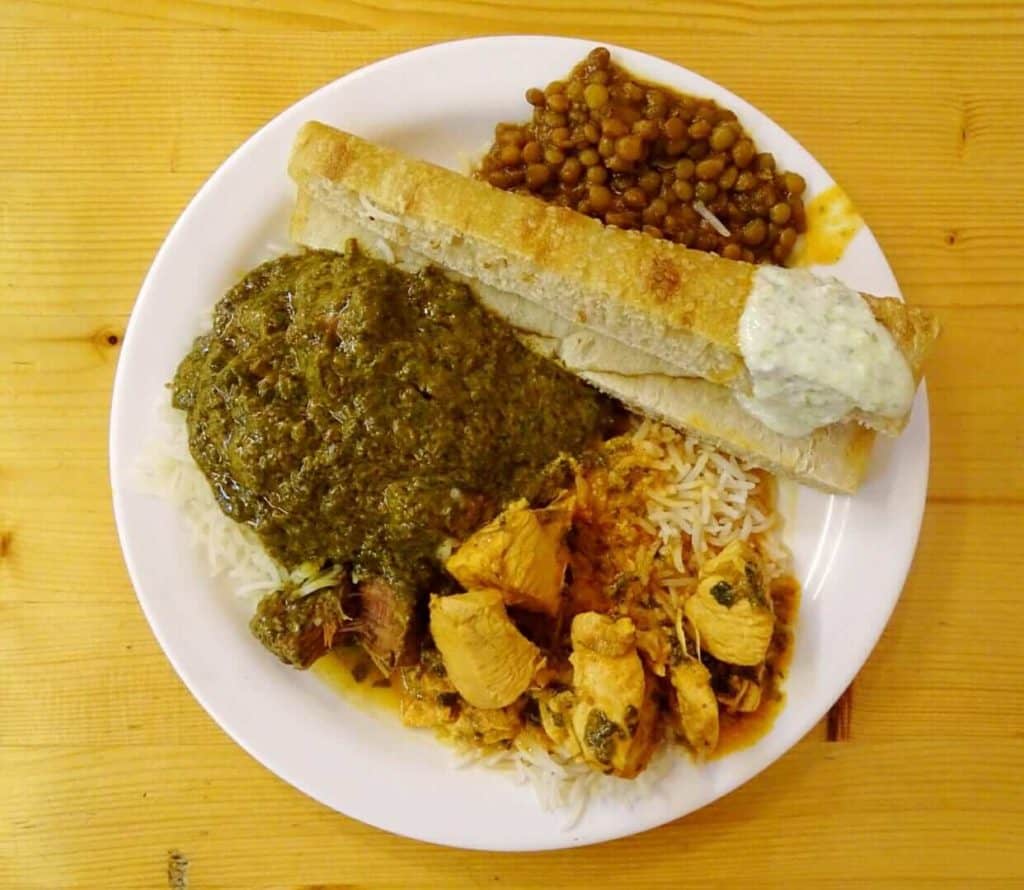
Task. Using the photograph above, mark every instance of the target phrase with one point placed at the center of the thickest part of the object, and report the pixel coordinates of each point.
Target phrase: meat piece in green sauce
(301, 627)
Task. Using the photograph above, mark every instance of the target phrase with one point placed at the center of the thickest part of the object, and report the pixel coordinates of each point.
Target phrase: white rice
(698, 500)
(232, 551)
(568, 786)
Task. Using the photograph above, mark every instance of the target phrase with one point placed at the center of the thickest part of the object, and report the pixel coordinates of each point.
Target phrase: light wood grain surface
(111, 116)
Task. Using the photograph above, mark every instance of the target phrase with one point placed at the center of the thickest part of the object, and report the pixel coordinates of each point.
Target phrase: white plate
(440, 103)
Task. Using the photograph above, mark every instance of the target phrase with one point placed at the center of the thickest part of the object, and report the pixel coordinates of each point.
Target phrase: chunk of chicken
(522, 553)
(614, 715)
(697, 706)
(487, 659)
(729, 610)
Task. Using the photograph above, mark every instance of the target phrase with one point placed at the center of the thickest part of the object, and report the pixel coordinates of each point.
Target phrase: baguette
(679, 306)
(834, 458)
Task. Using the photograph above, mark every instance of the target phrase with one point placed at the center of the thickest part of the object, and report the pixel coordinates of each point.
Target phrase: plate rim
(118, 472)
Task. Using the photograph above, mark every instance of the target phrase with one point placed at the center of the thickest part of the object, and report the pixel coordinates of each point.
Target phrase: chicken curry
(559, 639)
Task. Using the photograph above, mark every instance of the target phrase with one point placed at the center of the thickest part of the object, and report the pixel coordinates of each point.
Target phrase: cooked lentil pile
(640, 156)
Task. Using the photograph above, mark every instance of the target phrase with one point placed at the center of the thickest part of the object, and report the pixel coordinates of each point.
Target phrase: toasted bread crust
(681, 305)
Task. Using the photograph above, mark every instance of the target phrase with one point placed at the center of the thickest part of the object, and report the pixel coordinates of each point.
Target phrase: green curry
(354, 413)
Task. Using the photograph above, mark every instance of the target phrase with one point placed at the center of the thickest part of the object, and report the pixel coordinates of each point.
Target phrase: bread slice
(677, 305)
(834, 458)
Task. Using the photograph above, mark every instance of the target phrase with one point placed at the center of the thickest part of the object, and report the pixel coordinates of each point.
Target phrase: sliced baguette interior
(834, 458)
(678, 306)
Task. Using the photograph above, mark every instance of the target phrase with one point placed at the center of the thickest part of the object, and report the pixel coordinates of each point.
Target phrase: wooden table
(113, 113)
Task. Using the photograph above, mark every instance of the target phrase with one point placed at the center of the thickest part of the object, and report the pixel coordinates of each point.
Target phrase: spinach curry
(353, 413)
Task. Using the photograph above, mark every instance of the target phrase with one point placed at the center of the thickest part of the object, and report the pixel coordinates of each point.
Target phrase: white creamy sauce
(815, 352)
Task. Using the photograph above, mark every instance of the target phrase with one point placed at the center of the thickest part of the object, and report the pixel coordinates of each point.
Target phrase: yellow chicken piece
(698, 707)
(614, 715)
(522, 553)
(487, 659)
(730, 611)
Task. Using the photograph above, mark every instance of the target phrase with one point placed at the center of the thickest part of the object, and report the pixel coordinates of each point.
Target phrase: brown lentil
(647, 130)
(794, 183)
(780, 213)
(558, 102)
(535, 97)
(674, 129)
(600, 197)
(572, 170)
(630, 148)
(698, 150)
(595, 95)
(537, 175)
(614, 127)
(683, 189)
(746, 181)
(743, 153)
(624, 220)
(710, 168)
(532, 152)
(635, 198)
(706, 191)
(650, 182)
(562, 137)
(728, 179)
(637, 156)
(754, 232)
(553, 156)
(510, 155)
(722, 137)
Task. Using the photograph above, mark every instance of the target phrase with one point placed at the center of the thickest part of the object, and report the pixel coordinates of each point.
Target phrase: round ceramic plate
(441, 103)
